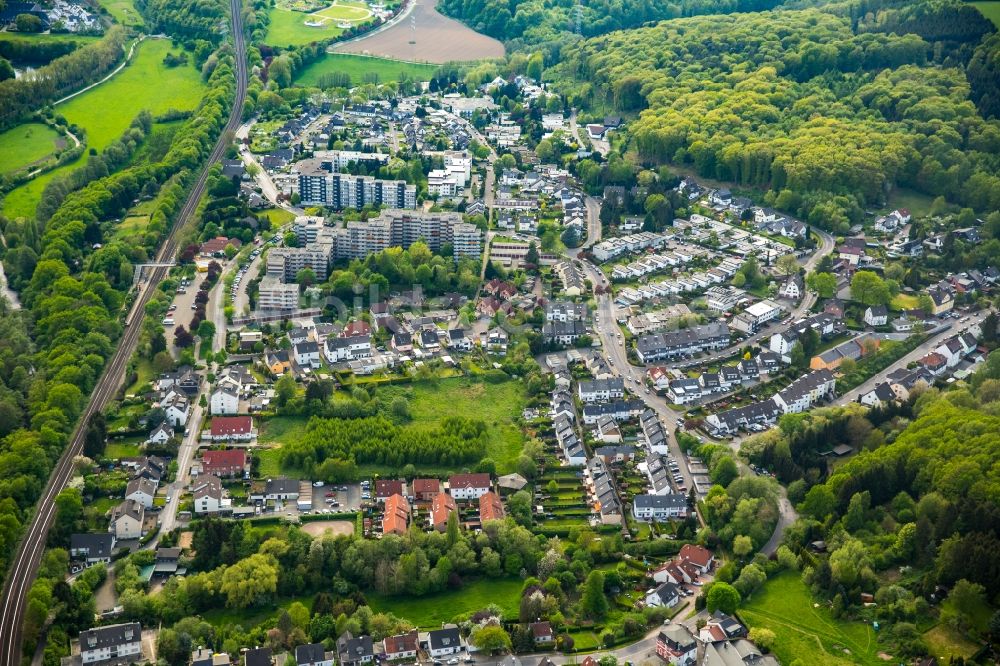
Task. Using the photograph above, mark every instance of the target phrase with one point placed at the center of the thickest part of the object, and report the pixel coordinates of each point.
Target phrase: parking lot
(182, 309)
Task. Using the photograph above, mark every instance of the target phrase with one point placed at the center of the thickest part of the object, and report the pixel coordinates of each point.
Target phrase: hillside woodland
(826, 110)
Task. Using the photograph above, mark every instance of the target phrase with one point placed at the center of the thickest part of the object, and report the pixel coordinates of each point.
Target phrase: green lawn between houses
(26, 144)
(431, 611)
(105, 111)
(356, 66)
(430, 403)
(807, 632)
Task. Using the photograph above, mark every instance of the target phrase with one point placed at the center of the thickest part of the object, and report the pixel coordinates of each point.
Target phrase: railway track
(24, 566)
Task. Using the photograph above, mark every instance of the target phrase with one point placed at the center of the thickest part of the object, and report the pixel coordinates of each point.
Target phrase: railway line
(24, 566)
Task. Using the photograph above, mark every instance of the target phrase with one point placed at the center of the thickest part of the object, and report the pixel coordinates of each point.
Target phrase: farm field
(288, 28)
(105, 111)
(805, 632)
(431, 611)
(357, 66)
(990, 10)
(437, 39)
(25, 144)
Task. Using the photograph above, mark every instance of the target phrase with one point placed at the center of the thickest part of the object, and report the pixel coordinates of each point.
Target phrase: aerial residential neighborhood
(366, 332)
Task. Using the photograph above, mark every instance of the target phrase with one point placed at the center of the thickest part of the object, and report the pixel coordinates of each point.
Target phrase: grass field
(123, 11)
(277, 216)
(904, 302)
(944, 642)
(805, 632)
(105, 111)
(288, 28)
(357, 66)
(917, 203)
(496, 404)
(429, 612)
(990, 10)
(26, 144)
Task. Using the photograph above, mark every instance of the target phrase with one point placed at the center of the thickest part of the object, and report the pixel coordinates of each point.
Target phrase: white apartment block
(273, 294)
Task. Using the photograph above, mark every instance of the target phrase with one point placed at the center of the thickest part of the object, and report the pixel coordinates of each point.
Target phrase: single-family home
(225, 462)
(313, 654)
(676, 645)
(127, 520)
(443, 642)
(490, 507)
(665, 595)
(92, 547)
(699, 556)
(541, 633)
(396, 518)
(118, 643)
(142, 490)
(225, 401)
(231, 428)
(208, 494)
(876, 315)
(401, 646)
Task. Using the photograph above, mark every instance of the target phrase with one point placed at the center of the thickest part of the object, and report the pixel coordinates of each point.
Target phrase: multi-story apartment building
(320, 186)
(273, 294)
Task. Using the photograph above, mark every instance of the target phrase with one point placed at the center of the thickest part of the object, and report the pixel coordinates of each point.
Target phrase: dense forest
(552, 23)
(185, 19)
(828, 116)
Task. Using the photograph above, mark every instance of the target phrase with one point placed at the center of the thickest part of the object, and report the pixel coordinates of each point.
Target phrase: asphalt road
(27, 557)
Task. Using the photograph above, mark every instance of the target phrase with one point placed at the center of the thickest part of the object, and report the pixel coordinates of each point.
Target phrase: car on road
(318, 484)
(453, 661)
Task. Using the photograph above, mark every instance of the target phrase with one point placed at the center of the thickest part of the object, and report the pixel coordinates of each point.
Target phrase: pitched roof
(477, 480)
(695, 554)
(490, 507)
(231, 425)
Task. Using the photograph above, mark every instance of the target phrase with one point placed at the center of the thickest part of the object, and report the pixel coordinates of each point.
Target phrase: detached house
(665, 595)
(127, 520)
(92, 547)
(676, 645)
(141, 490)
(876, 315)
(177, 410)
(121, 643)
(225, 401)
(402, 646)
(313, 654)
(442, 642)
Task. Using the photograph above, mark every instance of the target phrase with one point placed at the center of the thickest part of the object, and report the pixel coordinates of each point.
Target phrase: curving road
(24, 566)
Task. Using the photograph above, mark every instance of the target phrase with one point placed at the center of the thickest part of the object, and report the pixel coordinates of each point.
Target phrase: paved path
(128, 58)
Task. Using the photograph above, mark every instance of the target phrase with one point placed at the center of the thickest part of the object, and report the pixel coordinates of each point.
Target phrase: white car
(318, 484)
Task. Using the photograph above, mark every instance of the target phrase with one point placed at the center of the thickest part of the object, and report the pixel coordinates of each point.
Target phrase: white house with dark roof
(665, 595)
(127, 520)
(92, 547)
(120, 643)
(225, 401)
(142, 490)
(443, 642)
(313, 654)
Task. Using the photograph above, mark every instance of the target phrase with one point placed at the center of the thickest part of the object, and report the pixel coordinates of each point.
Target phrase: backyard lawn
(430, 611)
(356, 66)
(805, 631)
(26, 144)
(123, 11)
(105, 111)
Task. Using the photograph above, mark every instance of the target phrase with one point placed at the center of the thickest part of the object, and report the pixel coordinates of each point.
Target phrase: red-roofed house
(659, 377)
(356, 328)
(402, 646)
(386, 488)
(490, 507)
(442, 506)
(424, 490)
(231, 428)
(228, 462)
(542, 632)
(469, 486)
(397, 515)
(697, 555)
(217, 245)
(934, 362)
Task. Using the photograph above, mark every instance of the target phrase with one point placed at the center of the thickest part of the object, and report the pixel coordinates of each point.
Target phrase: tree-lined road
(27, 558)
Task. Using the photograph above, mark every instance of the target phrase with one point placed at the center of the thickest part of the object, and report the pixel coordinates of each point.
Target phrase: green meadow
(26, 144)
(105, 111)
(356, 66)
